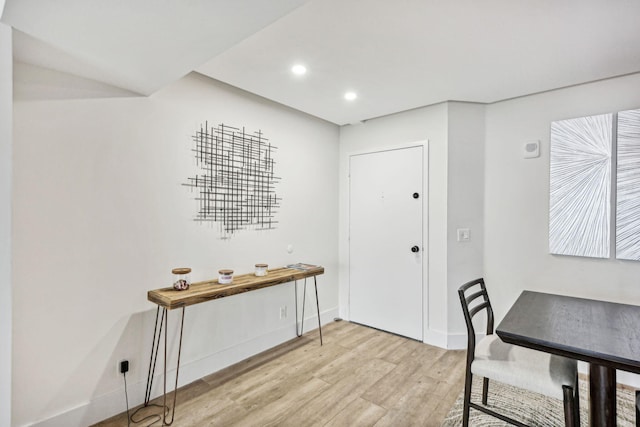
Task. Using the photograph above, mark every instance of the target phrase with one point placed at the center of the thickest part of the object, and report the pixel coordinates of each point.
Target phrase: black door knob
(415, 249)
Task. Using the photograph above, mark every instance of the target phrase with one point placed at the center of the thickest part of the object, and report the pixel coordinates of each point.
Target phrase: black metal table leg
(304, 296)
(162, 321)
(155, 345)
(175, 389)
(315, 284)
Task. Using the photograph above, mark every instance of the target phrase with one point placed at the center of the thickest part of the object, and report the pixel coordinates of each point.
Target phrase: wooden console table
(169, 299)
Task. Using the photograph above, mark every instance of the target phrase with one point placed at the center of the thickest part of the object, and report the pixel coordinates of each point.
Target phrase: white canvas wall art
(628, 186)
(580, 181)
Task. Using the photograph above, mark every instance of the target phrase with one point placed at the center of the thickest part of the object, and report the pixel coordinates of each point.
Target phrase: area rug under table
(531, 408)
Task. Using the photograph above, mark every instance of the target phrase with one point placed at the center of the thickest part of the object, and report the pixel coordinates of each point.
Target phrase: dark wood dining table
(604, 334)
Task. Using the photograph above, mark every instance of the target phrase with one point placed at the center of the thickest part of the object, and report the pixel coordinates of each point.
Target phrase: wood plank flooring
(359, 377)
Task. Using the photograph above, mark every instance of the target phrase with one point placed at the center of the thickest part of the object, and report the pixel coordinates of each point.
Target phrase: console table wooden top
(198, 292)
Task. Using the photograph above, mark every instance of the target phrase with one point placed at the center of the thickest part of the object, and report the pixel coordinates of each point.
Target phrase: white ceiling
(138, 45)
(396, 55)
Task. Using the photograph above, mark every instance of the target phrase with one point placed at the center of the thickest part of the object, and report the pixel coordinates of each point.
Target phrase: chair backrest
(469, 293)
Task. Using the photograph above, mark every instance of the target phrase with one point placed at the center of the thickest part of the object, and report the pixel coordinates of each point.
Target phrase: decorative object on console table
(302, 266)
(181, 280)
(225, 277)
(261, 270)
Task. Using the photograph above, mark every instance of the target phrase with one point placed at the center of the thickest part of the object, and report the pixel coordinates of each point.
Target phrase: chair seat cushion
(521, 367)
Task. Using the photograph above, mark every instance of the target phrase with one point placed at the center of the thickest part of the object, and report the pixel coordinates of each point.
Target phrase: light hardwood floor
(359, 377)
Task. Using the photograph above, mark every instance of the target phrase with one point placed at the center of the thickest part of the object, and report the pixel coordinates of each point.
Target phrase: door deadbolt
(416, 195)
(415, 249)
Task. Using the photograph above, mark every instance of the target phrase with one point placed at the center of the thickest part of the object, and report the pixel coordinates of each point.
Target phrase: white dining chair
(531, 370)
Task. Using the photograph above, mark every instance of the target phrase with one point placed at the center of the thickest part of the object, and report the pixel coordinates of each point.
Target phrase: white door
(385, 248)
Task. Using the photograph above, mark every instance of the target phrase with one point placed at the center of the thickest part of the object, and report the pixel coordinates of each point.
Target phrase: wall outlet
(283, 312)
(123, 367)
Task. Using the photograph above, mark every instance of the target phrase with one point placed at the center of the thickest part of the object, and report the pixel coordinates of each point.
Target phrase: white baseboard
(435, 338)
(622, 377)
(629, 379)
(113, 403)
(459, 341)
(446, 341)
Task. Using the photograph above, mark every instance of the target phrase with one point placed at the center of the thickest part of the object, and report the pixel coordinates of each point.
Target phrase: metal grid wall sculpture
(236, 186)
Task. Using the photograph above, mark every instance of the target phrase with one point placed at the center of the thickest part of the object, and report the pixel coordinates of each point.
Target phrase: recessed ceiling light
(298, 69)
(350, 96)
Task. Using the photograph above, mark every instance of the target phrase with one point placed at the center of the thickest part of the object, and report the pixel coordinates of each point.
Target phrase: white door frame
(425, 225)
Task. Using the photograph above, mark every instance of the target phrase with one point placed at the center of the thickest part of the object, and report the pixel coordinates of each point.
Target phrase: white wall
(517, 202)
(465, 209)
(447, 127)
(6, 99)
(100, 217)
(517, 199)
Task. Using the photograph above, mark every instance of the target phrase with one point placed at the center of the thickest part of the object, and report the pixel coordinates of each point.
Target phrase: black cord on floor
(126, 398)
(130, 417)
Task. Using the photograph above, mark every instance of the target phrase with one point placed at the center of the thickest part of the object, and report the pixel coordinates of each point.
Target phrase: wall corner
(6, 142)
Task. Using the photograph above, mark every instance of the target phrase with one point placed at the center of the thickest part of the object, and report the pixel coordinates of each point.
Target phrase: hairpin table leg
(155, 345)
(162, 320)
(304, 296)
(315, 284)
(175, 389)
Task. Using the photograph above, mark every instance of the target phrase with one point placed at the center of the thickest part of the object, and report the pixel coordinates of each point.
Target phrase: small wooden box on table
(199, 292)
